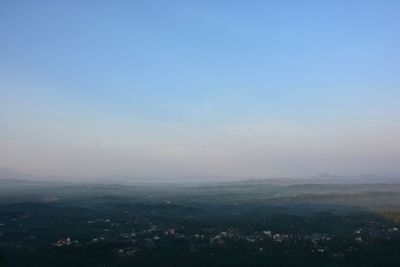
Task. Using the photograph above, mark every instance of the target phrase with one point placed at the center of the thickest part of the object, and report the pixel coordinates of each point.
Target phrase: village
(213, 239)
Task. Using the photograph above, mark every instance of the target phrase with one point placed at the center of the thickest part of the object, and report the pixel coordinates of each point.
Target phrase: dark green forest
(226, 224)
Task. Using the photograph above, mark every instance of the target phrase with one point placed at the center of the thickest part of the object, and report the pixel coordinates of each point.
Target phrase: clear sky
(186, 88)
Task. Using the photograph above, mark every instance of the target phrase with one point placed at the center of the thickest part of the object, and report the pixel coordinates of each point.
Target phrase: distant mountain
(10, 174)
(365, 178)
(323, 178)
(324, 175)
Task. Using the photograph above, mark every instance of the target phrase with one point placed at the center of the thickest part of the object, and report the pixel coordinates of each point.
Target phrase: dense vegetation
(209, 225)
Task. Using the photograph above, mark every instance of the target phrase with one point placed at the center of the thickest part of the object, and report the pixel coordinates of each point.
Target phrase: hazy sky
(186, 88)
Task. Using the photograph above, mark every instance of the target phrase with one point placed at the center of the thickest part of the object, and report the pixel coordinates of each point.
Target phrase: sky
(200, 88)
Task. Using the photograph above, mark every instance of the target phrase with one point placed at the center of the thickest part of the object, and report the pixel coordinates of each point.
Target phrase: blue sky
(182, 88)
